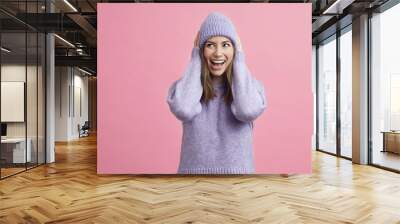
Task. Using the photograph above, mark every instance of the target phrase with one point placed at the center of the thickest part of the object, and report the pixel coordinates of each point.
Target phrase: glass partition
(346, 93)
(327, 95)
(22, 77)
(13, 110)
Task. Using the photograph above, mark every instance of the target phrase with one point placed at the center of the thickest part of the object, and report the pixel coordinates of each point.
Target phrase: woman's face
(218, 54)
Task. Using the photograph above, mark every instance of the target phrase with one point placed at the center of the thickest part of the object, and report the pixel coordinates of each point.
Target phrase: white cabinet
(18, 149)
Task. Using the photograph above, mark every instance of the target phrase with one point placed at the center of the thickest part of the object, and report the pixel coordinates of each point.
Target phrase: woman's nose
(218, 51)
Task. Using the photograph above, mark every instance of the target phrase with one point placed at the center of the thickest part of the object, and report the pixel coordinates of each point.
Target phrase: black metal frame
(338, 76)
(316, 97)
(369, 81)
(45, 89)
(37, 91)
(0, 89)
(26, 89)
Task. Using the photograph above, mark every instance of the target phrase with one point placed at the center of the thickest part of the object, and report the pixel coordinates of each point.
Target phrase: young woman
(217, 101)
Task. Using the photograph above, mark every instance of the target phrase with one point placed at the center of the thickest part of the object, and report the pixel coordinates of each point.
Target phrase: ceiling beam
(86, 26)
(337, 6)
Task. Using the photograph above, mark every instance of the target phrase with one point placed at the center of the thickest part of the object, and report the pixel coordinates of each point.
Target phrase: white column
(50, 91)
(360, 90)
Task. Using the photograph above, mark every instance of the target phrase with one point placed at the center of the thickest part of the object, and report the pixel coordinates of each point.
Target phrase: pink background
(143, 48)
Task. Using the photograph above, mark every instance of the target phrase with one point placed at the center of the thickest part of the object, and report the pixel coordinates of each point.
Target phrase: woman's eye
(226, 45)
(209, 45)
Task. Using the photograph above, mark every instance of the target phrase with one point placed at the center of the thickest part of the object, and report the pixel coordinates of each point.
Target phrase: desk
(391, 141)
(13, 150)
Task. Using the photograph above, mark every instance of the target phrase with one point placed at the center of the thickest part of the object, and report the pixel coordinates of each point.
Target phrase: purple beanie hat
(216, 24)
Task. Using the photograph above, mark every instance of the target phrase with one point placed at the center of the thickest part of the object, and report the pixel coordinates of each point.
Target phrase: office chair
(84, 130)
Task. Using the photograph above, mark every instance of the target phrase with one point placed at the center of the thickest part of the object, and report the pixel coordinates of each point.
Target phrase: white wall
(62, 78)
(71, 92)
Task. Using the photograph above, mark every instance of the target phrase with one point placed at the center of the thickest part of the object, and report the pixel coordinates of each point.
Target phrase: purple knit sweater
(217, 139)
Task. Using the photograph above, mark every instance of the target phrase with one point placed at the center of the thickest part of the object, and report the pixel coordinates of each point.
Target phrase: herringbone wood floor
(70, 191)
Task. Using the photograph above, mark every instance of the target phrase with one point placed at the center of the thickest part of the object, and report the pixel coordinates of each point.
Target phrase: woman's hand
(196, 40)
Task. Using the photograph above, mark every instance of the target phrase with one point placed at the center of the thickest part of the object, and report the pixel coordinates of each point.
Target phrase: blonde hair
(206, 81)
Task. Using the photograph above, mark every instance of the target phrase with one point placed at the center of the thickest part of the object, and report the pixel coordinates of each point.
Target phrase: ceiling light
(84, 71)
(70, 5)
(64, 40)
(5, 50)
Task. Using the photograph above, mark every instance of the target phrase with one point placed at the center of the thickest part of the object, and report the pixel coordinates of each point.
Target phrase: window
(346, 74)
(327, 95)
(385, 88)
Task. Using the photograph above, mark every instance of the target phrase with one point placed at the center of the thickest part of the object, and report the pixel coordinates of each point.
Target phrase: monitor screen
(3, 129)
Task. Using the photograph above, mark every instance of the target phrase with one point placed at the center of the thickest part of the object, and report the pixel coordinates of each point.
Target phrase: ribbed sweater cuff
(216, 170)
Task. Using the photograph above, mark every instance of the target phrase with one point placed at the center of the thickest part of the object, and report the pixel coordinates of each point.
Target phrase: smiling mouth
(217, 64)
